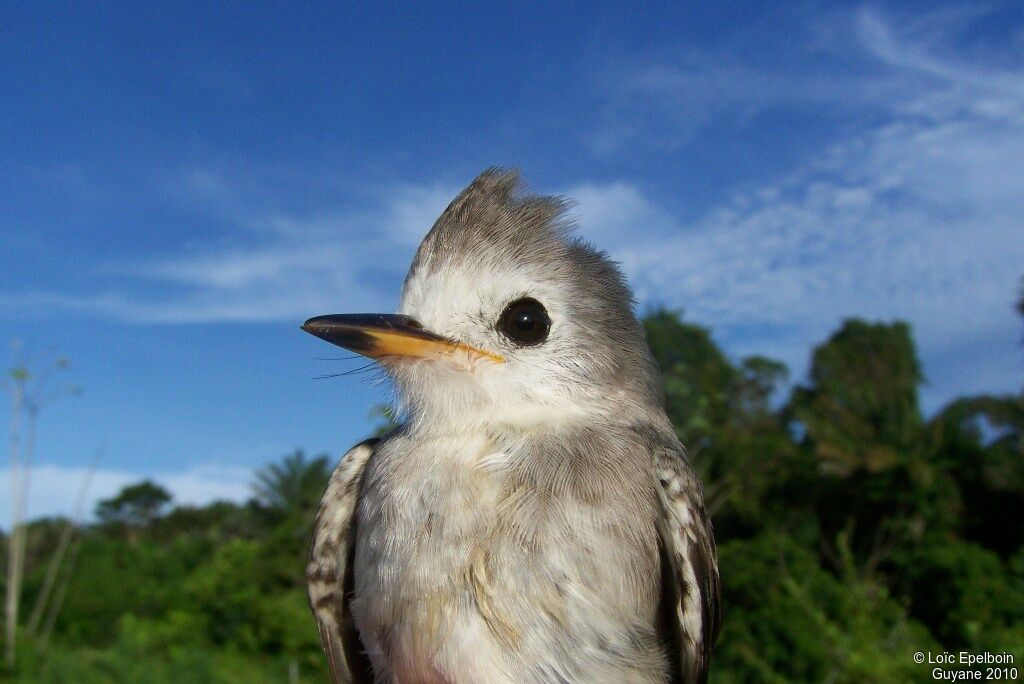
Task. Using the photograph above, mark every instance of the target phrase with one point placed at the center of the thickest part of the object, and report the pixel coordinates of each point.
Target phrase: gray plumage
(534, 519)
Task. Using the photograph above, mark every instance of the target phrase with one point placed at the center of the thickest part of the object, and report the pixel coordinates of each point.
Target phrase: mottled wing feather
(689, 550)
(329, 568)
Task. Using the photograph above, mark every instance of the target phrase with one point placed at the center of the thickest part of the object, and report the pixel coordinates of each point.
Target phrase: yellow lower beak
(389, 335)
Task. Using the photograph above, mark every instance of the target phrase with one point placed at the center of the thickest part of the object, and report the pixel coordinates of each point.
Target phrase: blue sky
(181, 186)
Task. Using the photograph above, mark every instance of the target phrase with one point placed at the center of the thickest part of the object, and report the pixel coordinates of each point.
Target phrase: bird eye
(525, 322)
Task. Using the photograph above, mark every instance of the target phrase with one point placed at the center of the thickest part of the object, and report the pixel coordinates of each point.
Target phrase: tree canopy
(136, 505)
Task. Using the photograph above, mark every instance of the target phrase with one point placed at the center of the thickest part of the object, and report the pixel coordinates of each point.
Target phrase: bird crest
(495, 213)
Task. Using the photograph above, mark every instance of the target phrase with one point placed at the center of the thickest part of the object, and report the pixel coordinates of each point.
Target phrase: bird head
(506, 320)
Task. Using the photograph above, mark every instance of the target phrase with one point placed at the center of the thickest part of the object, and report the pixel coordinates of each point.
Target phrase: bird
(534, 517)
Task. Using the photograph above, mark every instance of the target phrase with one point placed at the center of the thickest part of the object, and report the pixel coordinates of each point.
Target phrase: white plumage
(534, 519)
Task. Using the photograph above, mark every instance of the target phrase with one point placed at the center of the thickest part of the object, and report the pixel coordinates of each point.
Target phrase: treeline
(162, 593)
(852, 533)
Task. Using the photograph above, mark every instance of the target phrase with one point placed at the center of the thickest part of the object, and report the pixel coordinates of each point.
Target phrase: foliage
(852, 533)
(963, 593)
(135, 506)
(294, 485)
(789, 619)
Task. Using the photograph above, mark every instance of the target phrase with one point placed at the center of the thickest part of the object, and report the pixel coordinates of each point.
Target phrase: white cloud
(329, 262)
(54, 490)
(412, 210)
(602, 212)
(207, 304)
(669, 100)
(236, 270)
(920, 218)
(296, 266)
(292, 267)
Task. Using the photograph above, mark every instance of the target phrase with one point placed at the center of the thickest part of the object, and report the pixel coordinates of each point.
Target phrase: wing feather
(329, 568)
(691, 595)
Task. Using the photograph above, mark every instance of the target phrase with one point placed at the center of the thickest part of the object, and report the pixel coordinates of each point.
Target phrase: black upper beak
(379, 335)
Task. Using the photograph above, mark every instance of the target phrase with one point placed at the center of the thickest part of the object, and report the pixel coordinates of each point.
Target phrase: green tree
(966, 595)
(789, 620)
(861, 409)
(293, 485)
(879, 483)
(215, 522)
(759, 381)
(289, 494)
(697, 377)
(724, 416)
(134, 506)
(981, 442)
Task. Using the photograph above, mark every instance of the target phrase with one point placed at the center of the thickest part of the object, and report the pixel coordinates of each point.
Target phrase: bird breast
(480, 561)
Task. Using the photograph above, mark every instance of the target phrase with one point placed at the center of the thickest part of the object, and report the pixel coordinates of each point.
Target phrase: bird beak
(389, 335)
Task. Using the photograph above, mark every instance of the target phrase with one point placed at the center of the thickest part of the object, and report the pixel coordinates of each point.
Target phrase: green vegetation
(853, 531)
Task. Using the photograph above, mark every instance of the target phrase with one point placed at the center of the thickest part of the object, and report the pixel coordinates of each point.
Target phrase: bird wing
(690, 594)
(329, 568)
